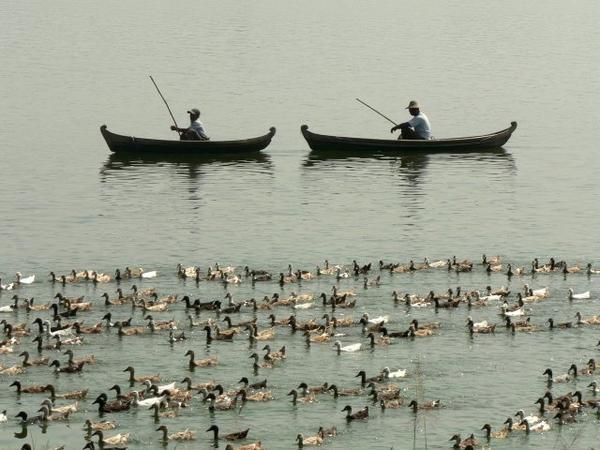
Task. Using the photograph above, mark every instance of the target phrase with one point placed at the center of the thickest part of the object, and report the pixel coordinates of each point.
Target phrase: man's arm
(400, 126)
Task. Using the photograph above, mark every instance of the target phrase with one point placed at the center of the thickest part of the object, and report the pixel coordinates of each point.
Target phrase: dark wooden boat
(323, 142)
(129, 144)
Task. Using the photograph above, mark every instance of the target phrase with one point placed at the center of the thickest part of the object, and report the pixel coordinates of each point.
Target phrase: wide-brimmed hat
(413, 105)
(194, 111)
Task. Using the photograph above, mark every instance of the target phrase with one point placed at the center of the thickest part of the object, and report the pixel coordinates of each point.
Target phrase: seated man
(195, 132)
(416, 128)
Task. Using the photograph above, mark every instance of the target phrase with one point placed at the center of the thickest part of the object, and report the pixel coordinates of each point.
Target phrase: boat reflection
(191, 165)
(412, 175)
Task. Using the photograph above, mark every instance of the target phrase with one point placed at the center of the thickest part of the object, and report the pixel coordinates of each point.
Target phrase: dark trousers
(189, 135)
(409, 133)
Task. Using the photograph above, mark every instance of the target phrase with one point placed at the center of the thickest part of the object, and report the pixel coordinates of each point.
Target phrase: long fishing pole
(166, 104)
(373, 109)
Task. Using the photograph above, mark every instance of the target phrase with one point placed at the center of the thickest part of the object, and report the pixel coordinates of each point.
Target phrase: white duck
(482, 324)
(147, 401)
(7, 308)
(540, 427)
(162, 388)
(400, 373)
(515, 313)
(152, 274)
(542, 292)
(306, 305)
(378, 319)
(6, 287)
(3, 418)
(438, 264)
(582, 296)
(25, 280)
(347, 348)
(63, 332)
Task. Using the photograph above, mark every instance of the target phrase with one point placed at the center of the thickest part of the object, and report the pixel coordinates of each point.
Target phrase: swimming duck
(28, 420)
(252, 446)
(230, 436)
(129, 331)
(6, 287)
(13, 370)
(71, 408)
(274, 356)
(264, 335)
(259, 396)
(351, 348)
(562, 325)
(358, 415)
(400, 373)
(581, 296)
(530, 418)
(141, 378)
(118, 439)
(391, 404)
(31, 307)
(559, 378)
(32, 389)
(160, 325)
(346, 392)
(110, 407)
(313, 389)
(309, 440)
(75, 368)
(146, 401)
(113, 302)
(594, 387)
(158, 307)
(34, 362)
(390, 392)
(364, 380)
(309, 398)
(501, 434)
(538, 427)
(459, 443)
(431, 404)
(591, 320)
(482, 329)
(48, 416)
(24, 280)
(207, 362)
(564, 417)
(222, 404)
(70, 395)
(104, 425)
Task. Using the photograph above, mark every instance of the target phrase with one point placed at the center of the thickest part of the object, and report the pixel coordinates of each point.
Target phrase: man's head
(413, 108)
(194, 113)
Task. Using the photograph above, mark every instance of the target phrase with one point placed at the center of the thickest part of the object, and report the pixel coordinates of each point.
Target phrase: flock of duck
(53, 330)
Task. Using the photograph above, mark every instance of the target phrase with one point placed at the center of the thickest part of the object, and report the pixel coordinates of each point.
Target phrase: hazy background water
(68, 67)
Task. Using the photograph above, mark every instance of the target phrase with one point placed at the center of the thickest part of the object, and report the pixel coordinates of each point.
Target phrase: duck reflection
(192, 166)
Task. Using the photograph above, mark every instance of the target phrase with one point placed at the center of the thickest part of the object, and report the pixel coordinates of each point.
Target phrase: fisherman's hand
(393, 129)
(173, 127)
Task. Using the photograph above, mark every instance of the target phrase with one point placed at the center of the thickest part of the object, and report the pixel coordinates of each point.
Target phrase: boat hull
(321, 142)
(128, 144)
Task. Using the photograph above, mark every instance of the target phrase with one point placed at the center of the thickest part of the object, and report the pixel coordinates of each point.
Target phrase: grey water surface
(68, 67)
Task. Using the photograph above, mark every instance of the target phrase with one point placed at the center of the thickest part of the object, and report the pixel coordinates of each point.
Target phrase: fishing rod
(166, 104)
(373, 109)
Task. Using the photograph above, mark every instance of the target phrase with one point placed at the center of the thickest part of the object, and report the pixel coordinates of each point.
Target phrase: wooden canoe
(321, 142)
(129, 144)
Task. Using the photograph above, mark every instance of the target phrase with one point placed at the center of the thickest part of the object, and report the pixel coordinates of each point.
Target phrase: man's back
(421, 125)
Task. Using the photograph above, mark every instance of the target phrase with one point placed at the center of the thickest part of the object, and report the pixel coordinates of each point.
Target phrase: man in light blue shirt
(196, 131)
(416, 128)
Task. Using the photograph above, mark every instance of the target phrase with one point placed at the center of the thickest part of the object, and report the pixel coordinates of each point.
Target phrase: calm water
(66, 203)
